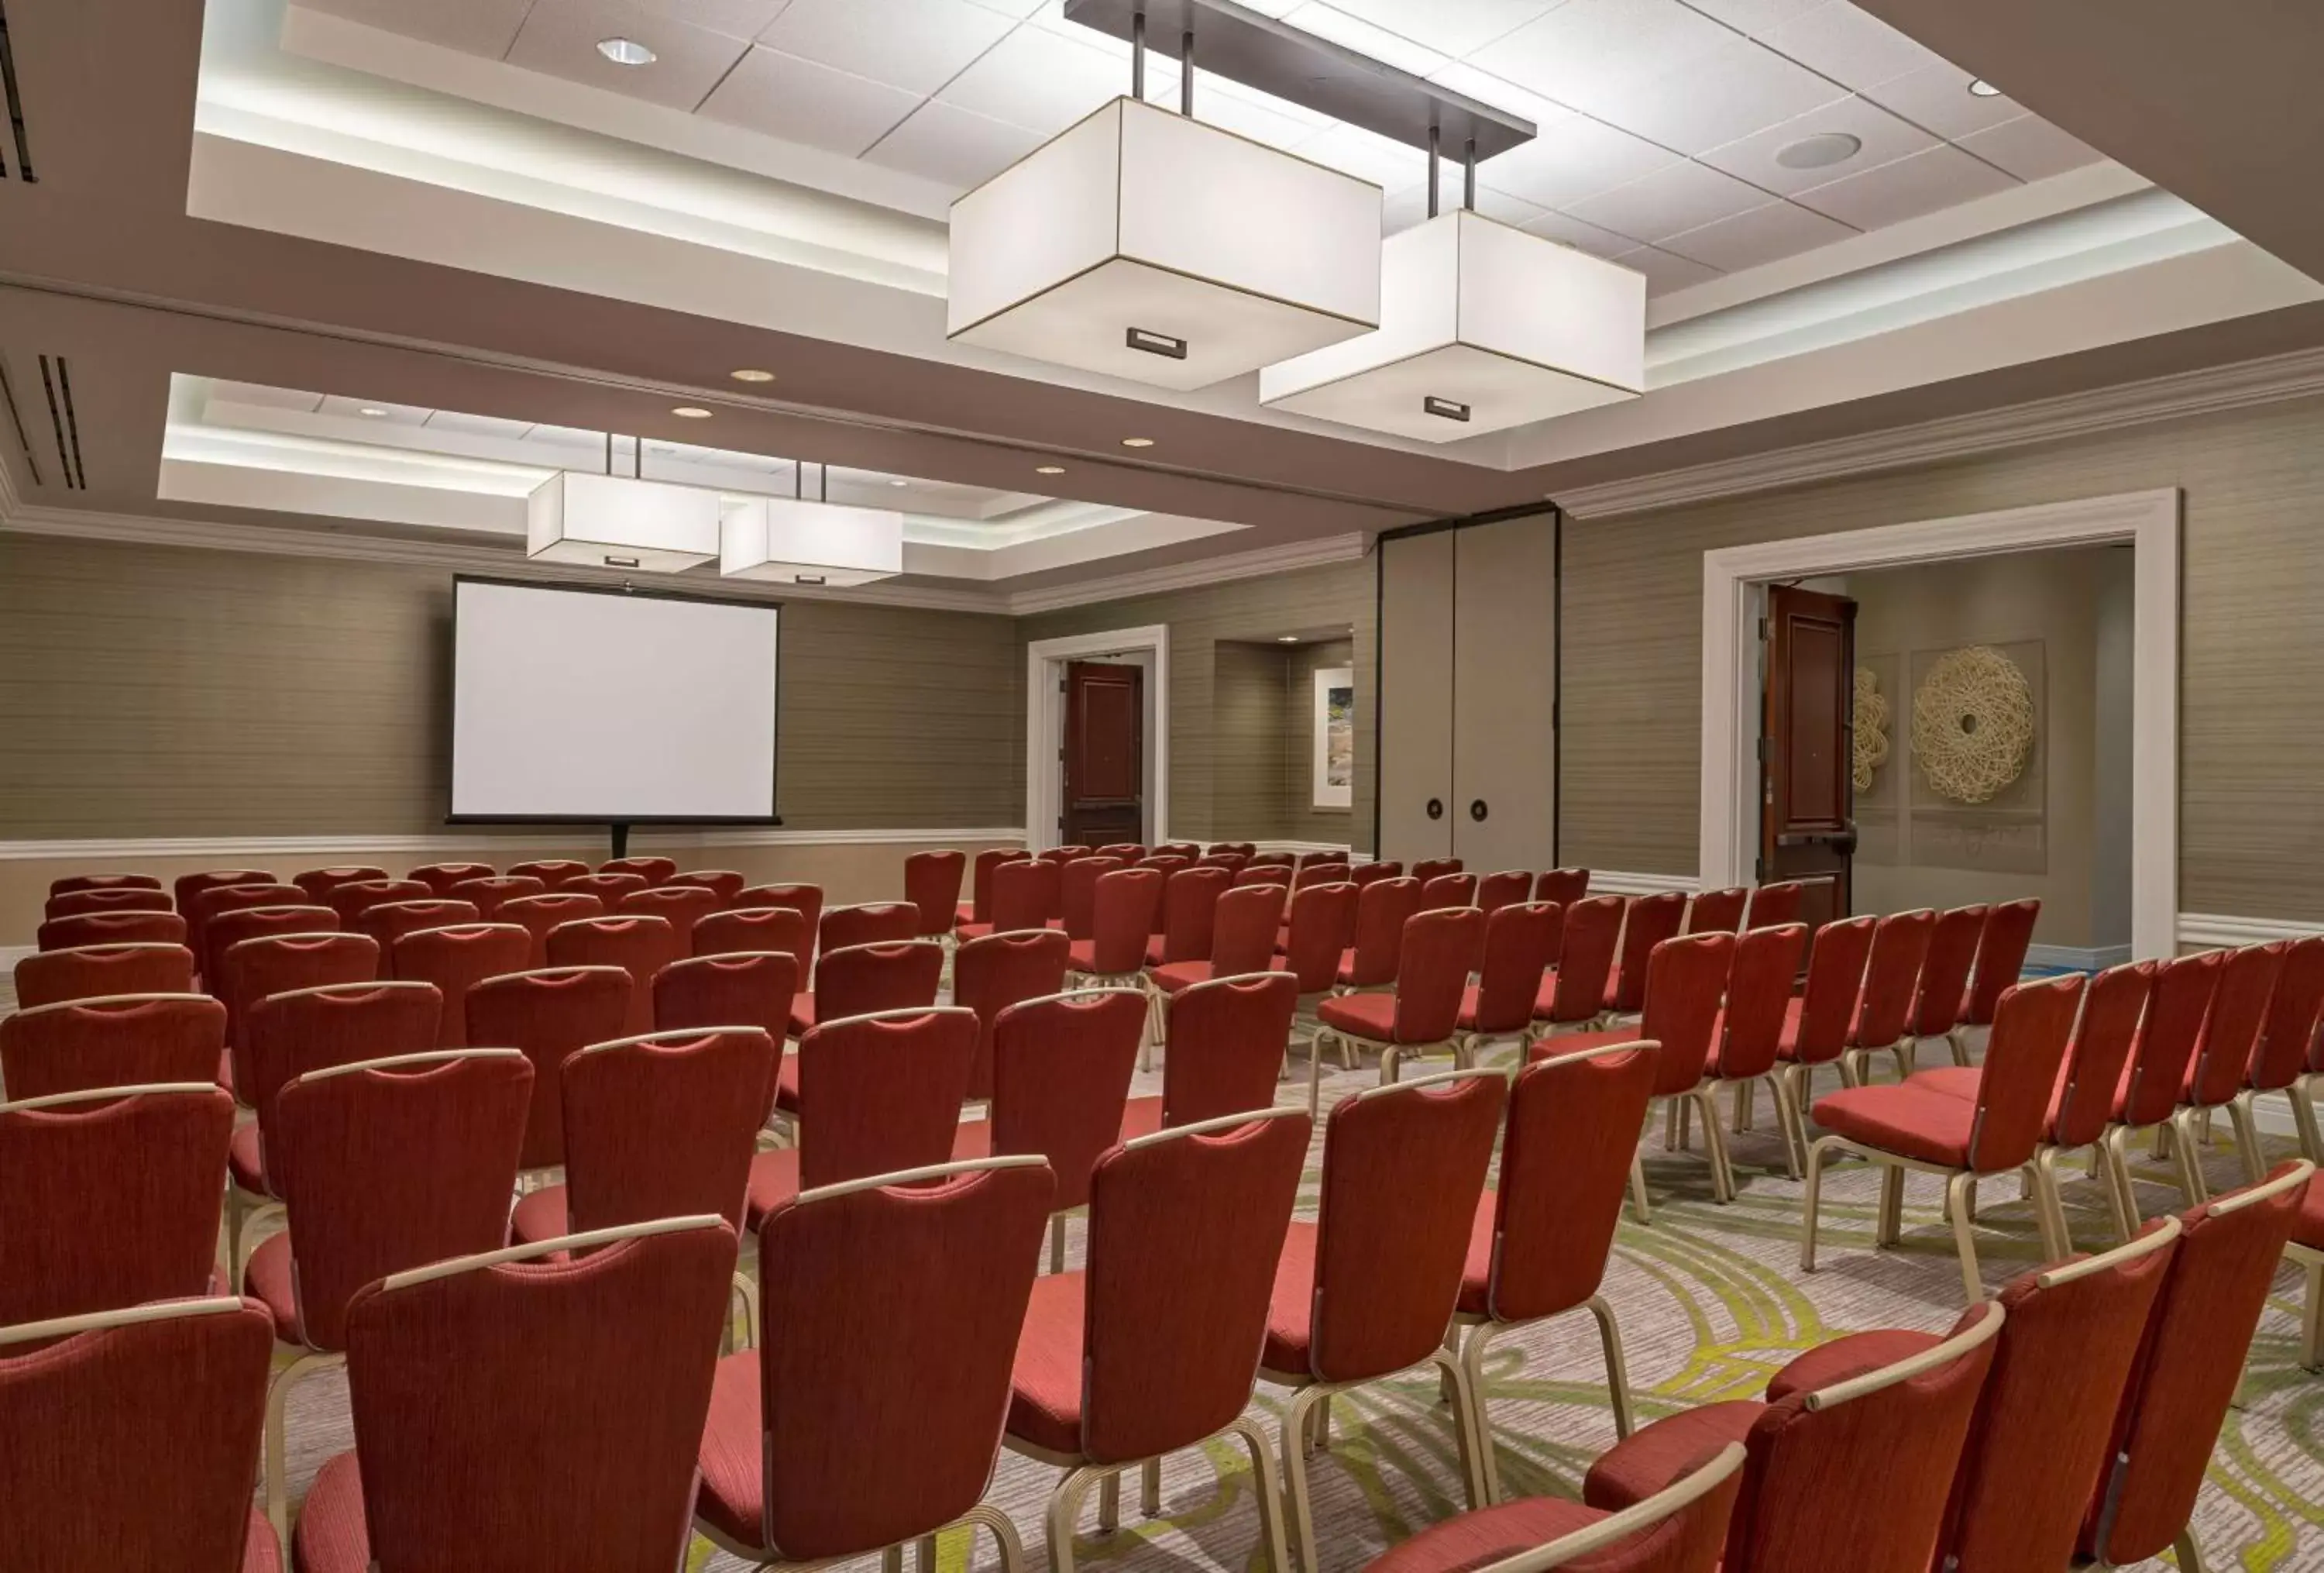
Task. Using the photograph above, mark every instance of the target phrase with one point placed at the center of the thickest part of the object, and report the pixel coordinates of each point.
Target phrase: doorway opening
(1097, 741)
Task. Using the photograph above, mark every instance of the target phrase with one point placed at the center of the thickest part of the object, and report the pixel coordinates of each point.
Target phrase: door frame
(1732, 581)
(1045, 664)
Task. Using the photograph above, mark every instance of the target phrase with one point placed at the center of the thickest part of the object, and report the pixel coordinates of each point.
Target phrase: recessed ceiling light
(1819, 151)
(1137, 442)
(1983, 89)
(1286, 639)
(751, 374)
(899, 483)
(371, 409)
(625, 51)
(691, 411)
(1048, 469)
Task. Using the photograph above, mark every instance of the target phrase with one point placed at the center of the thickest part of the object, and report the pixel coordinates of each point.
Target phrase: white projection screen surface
(610, 707)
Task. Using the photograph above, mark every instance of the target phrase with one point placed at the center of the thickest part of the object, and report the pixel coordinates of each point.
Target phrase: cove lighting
(626, 51)
(751, 374)
(797, 541)
(620, 522)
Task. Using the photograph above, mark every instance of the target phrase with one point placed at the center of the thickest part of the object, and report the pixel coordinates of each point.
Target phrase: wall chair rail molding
(1613, 881)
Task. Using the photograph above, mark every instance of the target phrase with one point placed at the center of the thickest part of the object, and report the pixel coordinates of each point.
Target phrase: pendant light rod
(1137, 55)
(1469, 176)
(1187, 73)
(1431, 171)
(638, 457)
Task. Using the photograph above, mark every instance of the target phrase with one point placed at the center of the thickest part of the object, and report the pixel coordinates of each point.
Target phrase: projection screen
(611, 706)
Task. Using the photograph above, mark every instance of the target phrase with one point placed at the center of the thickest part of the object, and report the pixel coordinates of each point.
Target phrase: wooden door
(1104, 760)
(1415, 746)
(1807, 812)
(1503, 806)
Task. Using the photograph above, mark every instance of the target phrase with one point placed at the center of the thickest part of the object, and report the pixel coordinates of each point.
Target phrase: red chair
(540, 913)
(2287, 1038)
(904, 1440)
(1185, 849)
(111, 1040)
(1025, 894)
(725, 882)
(352, 899)
(1243, 939)
(1363, 873)
(271, 964)
(1883, 1021)
(1944, 984)
(2001, 947)
(652, 870)
(130, 1438)
(1127, 903)
(1315, 873)
(74, 882)
(1285, 861)
(455, 959)
(798, 898)
(491, 894)
(92, 971)
(1913, 1128)
(1077, 894)
(1365, 1291)
(228, 929)
(856, 980)
(1278, 874)
(1747, 1045)
(1382, 911)
(1512, 887)
(639, 946)
(2223, 1057)
(1246, 850)
(550, 871)
(1773, 905)
(1646, 922)
(684, 905)
(1129, 852)
(735, 989)
(2306, 1252)
(1447, 890)
(1190, 902)
(752, 930)
(392, 920)
(1322, 925)
(110, 929)
(1164, 864)
(2147, 1099)
(114, 899)
(1680, 1529)
(1153, 1346)
(1520, 948)
(932, 883)
(999, 970)
(112, 1197)
(1539, 1243)
(1062, 855)
(186, 888)
(1716, 911)
(211, 905)
(871, 923)
(550, 1014)
(440, 877)
(383, 1165)
(2188, 1370)
(1565, 886)
(1574, 995)
(320, 882)
(475, 1444)
(1227, 1036)
(1430, 868)
(608, 888)
(1816, 1023)
(978, 909)
(1422, 1016)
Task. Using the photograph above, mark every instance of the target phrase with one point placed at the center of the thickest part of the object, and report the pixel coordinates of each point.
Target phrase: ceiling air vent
(21, 168)
(64, 422)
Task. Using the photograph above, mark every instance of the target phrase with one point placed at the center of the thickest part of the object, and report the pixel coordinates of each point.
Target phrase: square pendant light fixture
(1148, 246)
(801, 541)
(1483, 327)
(604, 520)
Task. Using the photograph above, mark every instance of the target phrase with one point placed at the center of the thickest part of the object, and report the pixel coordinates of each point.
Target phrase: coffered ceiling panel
(915, 44)
(802, 101)
(1922, 182)
(1881, 138)
(2031, 148)
(561, 39)
(946, 143)
(1848, 45)
(1676, 197)
(1763, 235)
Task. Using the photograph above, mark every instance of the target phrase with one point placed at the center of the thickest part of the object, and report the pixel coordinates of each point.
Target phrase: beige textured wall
(1248, 720)
(2251, 709)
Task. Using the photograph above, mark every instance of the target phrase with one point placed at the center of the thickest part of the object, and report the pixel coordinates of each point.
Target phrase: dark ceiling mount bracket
(1259, 52)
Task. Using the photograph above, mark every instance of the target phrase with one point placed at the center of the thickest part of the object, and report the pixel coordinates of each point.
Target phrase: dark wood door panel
(1104, 752)
(1807, 815)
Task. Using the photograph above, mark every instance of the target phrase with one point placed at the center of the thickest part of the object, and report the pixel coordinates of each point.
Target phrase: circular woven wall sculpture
(1871, 731)
(1973, 723)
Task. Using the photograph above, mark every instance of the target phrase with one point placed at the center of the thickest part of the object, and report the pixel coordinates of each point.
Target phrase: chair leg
(1390, 1057)
(2303, 1094)
(1851, 1067)
(2049, 1208)
(1744, 1099)
(1004, 1535)
(2189, 1555)
(1150, 1488)
(746, 1289)
(1270, 1503)
(2247, 1143)
(1472, 1366)
(1638, 1189)
(1109, 1504)
(1316, 1073)
(1904, 1049)
(2117, 1147)
(1957, 1042)
(1787, 1118)
(1714, 1140)
(1891, 1228)
(278, 1471)
(1464, 1427)
(2311, 1314)
(924, 1555)
(1618, 1371)
(1958, 1192)
(2187, 1144)
(1065, 1511)
(1811, 1200)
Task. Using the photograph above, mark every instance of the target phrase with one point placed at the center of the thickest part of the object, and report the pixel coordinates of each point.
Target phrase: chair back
(1441, 949)
(440, 877)
(860, 980)
(663, 1126)
(110, 929)
(1126, 912)
(1227, 1036)
(1164, 863)
(49, 977)
(1323, 925)
(1061, 1070)
(1382, 909)
(1509, 888)
(2288, 1037)
(455, 958)
(1025, 894)
(112, 1196)
(313, 1029)
(251, 970)
(1062, 855)
(1758, 994)
(1685, 980)
(608, 888)
(874, 1440)
(879, 1093)
(113, 899)
(872, 923)
(111, 1040)
(356, 897)
(980, 882)
(222, 930)
(2021, 1061)
(741, 989)
(806, 898)
(932, 883)
(684, 905)
(1311, 874)
(1363, 873)
(1185, 849)
(1572, 1126)
(1190, 905)
(1679, 1529)
(488, 893)
(1589, 933)
(2083, 1104)
(2231, 1028)
(1564, 886)
(640, 945)
(390, 921)
(2167, 1035)
(725, 882)
(548, 1014)
(1429, 868)
(1773, 905)
(750, 930)
(1953, 945)
(1246, 850)
(1838, 954)
(73, 882)
(1892, 973)
(1446, 891)
(1520, 946)
(1129, 852)
(995, 972)
(1077, 893)
(2001, 950)
(1287, 860)
(652, 870)
(515, 1410)
(550, 871)
(1186, 1228)
(1262, 874)
(2190, 1366)
(320, 882)
(540, 913)
(389, 1164)
(187, 888)
(1243, 928)
(1716, 911)
(1646, 922)
(1403, 1168)
(131, 1440)
(1232, 862)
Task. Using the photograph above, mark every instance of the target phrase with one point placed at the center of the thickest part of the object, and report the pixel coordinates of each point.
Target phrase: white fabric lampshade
(619, 521)
(793, 540)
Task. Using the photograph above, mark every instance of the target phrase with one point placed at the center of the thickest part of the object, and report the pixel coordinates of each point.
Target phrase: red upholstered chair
(978, 908)
(1077, 894)
(230, 928)
(50, 977)
(932, 883)
(1440, 951)
(1716, 911)
(111, 1040)
(1129, 852)
(186, 888)
(2188, 1370)
(726, 882)
(1521, 939)
(1509, 888)
(1447, 890)
(1565, 886)
(524, 1408)
(1320, 927)
(383, 1165)
(1287, 860)
(855, 980)
(1883, 1021)
(608, 888)
(1127, 905)
(661, 1127)
(1429, 868)
(1849, 1476)
(872, 923)
(111, 1199)
(271, 964)
(1163, 863)
(638, 945)
(752, 930)
(1185, 849)
(550, 1014)
(211, 905)
(73, 882)
(550, 871)
(1320, 872)
(2223, 1059)
(1646, 922)
(1944, 984)
(739, 988)
(1279, 874)
(2160, 1059)
(114, 899)
(1816, 1023)
(440, 877)
(1364, 874)
(540, 913)
(1747, 1044)
(1246, 850)
(652, 870)
(455, 958)
(1914, 1128)
(1365, 1292)
(876, 1093)
(1190, 902)
(991, 974)
(2306, 1252)
(1382, 909)
(1773, 905)
(1573, 994)
(2287, 1040)
(352, 899)
(1232, 862)
(320, 882)
(110, 929)
(130, 1438)
(2001, 947)
(684, 905)
(1243, 939)
(1066, 853)
(1229, 1035)
(1153, 1346)
(1538, 1243)
(824, 1444)
(1026, 893)
(490, 893)
(1680, 1529)
(390, 921)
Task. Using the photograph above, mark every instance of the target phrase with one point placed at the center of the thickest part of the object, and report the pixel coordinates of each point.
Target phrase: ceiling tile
(1409, 206)
(561, 39)
(1456, 27)
(800, 101)
(550, 436)
(1730, 91)
(1257, 115)
(1366, 39)
(1663, 271)
(1883, 136)
(1848, 45)
(915, 44)
(1587, 50)
(2031, 148)
(736, 18)
(259, 394)
(1368, 156)
(476, 27)
(388, 414)
(1682, 197)
(1756, 18)
(1937, 97)
(1040, 79)
(1764, 234)
(1571, 231)
(476, 425)
(1017, 8)
(1574, 157)
(942, 143)
(1925, 182)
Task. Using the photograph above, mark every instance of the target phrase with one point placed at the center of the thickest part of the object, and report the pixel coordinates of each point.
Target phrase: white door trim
(1044, 721)
(2149, 521)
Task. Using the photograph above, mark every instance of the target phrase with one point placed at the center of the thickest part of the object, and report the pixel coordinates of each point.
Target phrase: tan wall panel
(1248, 720)
(1416, 602)
(1505, 694)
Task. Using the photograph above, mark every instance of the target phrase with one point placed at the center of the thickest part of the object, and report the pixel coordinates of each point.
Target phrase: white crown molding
(1181, 576)
(235, 848)
(2208, 391)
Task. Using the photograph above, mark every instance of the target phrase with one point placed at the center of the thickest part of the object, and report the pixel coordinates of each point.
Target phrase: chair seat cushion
(1845, 1358)
(733, 1458)
(1045, 1385)
(972, 1140)
(802, 1013)
(965, 912)
(1178, 976)
(1478, 1539)
(1657, 1456)
(267, 1276)
(332, 1534)
(1565, 1043)
(972, 931)
(1154, 951)
(1291, 1312)
(261, 1551)
(1477, 1272)
(1788, 1042)
(774, 1181)
(786, 1077)
(244, 1162)
(1081, 955)
(1953, 1081)
(1347, 973)
(539, 1215)
(1911, 1122)
(1365, 1015)
(226, 1073)
(2308, 1227)
(1141, 1116)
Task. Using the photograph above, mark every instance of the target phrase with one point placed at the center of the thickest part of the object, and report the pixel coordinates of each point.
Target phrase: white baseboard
(1303, 847)
(2212, 930)
(2095, 959)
